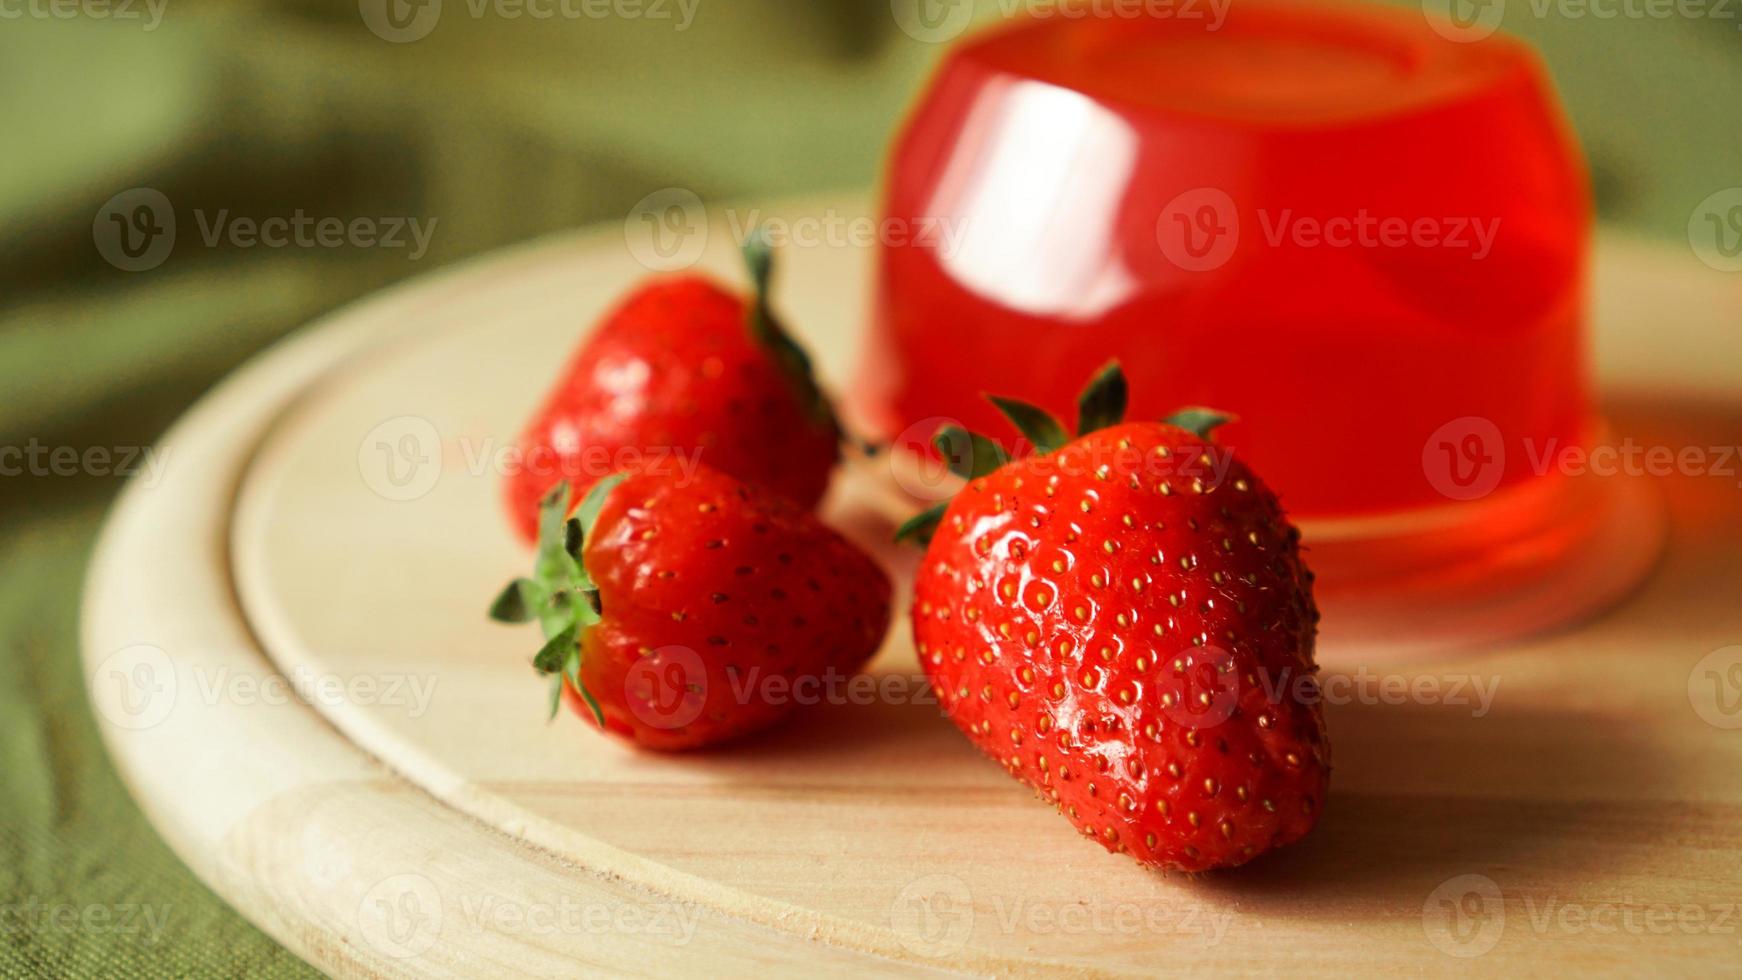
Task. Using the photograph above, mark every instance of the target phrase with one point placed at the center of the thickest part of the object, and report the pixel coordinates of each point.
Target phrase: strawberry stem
(766, 328)
(969, 454)
(1103, 402)
(560, 595)
(1199, 422)
(1038, 425)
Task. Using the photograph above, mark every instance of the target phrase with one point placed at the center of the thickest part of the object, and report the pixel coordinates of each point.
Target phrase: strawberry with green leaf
(1123, 621)
(679, 612)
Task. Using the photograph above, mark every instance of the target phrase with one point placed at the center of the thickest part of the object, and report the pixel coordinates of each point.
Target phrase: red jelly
(1334, 222)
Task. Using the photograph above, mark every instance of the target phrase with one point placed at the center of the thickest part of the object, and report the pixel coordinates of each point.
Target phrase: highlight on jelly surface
(1361, 235)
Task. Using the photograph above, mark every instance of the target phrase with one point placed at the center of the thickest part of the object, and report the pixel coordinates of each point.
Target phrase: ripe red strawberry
(678, 612)
(1124, 622)
(682, 368)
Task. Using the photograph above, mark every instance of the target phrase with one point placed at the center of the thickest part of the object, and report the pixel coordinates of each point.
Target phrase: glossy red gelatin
(1335, 222)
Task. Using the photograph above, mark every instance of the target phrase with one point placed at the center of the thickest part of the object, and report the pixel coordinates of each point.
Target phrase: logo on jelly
(135, 229)
(1715, 688)
(667, 688)
(932, 21)
(1465, 458)
(933, 916)
(1464, 20)
(1715, 230)
(1465, 916)
(667, 230)
(1199, 230)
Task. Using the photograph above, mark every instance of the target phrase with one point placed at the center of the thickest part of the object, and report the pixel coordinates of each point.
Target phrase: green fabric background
(501, 131)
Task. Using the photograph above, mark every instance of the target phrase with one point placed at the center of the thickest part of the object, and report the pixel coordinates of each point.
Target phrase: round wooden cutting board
(288, 652)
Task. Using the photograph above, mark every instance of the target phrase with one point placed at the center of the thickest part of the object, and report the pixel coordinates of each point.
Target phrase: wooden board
(1572, 802)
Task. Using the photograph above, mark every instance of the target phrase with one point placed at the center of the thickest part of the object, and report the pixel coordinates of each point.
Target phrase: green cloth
(86, 887)
(498, 130)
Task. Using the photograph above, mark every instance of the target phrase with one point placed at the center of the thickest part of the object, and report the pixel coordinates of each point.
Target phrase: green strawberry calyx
(1102, 405)
(768, 331)
(559, 594)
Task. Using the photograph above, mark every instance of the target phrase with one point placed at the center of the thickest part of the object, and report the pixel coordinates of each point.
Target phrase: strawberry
(681, 612)
(1124, 622)
(682, 370)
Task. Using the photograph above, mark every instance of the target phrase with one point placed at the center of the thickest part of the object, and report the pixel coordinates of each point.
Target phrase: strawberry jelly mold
(1363, 236)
